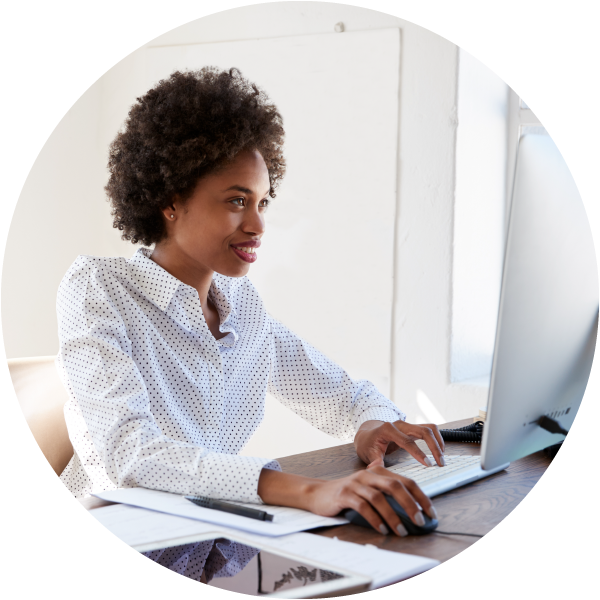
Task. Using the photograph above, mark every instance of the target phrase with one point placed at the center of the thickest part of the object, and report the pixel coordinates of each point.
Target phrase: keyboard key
(421, 474)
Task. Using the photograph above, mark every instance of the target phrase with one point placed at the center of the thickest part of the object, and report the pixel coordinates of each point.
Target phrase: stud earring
(172, 216)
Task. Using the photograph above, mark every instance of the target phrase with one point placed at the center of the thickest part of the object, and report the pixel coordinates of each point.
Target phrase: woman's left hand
(375, 439)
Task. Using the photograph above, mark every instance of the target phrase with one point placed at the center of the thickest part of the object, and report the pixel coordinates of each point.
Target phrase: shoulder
(100, 269)
(92, 276)
(92, 292)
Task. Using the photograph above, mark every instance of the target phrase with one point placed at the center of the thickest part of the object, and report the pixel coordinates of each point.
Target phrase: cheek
(218, 222)
(210, 234)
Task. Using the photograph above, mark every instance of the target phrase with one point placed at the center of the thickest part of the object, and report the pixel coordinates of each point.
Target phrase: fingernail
(383, 529)
(432, 513)
(442, 460)
(401, 530)
(419, 519)
(428, 462)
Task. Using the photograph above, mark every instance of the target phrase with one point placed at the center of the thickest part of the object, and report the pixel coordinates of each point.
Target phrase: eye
(238, 201)
(264, 203)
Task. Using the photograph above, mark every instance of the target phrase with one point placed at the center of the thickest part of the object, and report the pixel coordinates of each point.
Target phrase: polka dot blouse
(156, 401)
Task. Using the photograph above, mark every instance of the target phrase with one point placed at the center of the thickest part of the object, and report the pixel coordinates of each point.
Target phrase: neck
(179, 264)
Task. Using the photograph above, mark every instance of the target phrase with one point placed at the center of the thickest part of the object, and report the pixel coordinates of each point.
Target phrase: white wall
(325, 241)
(62, 211)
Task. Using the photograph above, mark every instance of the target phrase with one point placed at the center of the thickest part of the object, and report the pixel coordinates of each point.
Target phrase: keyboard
(419, 473)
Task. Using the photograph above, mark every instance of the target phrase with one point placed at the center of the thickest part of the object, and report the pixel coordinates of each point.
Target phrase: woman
(168, 355)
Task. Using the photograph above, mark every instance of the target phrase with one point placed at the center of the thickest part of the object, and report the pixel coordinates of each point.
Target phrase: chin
(234, 270)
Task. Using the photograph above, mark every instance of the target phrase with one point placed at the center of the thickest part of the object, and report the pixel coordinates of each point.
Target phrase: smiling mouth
(246, 254)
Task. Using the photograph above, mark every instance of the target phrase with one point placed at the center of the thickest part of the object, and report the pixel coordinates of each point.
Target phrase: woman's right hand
(362, 491)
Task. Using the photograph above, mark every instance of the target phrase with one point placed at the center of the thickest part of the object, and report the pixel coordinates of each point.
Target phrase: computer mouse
(413, 529)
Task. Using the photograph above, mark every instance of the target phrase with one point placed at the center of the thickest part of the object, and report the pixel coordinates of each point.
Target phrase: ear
(170, 212)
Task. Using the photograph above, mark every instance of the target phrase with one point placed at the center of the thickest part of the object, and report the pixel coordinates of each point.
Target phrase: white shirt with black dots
(156, 401)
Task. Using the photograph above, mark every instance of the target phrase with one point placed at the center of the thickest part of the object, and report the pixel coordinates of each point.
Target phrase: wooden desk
(474, 508)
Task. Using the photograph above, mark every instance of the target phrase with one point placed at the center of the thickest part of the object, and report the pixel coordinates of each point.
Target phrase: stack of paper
(286, 520)
(147, 530)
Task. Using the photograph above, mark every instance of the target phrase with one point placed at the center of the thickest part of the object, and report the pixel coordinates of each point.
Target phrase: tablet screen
(238, 567)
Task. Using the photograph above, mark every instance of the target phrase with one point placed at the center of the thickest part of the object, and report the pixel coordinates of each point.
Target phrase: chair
(42, 397)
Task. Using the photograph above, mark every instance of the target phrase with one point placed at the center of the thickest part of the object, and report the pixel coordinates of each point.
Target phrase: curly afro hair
(186, 127)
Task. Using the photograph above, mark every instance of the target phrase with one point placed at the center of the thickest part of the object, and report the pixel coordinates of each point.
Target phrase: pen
(251, 513)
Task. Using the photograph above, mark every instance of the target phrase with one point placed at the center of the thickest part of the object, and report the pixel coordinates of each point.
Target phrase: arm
(363, 491)
(97, 356)
(322, 393)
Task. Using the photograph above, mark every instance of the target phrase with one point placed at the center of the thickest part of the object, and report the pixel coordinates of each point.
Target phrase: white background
(547, 52)
(423, 295)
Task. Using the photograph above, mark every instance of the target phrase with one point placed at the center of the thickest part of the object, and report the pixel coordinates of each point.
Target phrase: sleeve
(320, 391)
(97, 357)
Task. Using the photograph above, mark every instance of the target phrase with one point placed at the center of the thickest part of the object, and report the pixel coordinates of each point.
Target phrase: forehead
(246, 173)
(247, 164)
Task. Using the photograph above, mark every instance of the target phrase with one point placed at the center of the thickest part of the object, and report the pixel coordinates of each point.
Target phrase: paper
(286, 520)
(147, 530)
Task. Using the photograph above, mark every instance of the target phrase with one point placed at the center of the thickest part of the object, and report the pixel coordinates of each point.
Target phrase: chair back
(42, 397)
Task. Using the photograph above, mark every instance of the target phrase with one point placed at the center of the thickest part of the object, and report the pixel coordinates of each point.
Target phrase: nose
(254, 221)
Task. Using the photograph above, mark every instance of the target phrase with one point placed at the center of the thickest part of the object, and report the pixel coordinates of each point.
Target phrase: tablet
(257, 569)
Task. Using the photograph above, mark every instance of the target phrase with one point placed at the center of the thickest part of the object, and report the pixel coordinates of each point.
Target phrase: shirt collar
(153, 281)
(220, 295)
(159, 286)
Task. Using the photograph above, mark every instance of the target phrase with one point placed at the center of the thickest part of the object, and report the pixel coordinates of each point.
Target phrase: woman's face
(220, 226)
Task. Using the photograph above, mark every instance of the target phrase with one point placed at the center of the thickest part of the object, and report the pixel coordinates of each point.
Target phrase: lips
(246, 250)
(247, 244)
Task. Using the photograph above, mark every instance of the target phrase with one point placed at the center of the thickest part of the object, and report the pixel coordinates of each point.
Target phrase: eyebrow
(239, 188)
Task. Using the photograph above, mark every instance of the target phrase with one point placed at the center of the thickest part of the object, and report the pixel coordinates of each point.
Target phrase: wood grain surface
(474, 508)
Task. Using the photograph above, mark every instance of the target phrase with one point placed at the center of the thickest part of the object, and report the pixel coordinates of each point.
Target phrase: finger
(413, 431)
(377, 462)
(375, 457)
(417, 453)
(369, 450)
(435, 430)
(392, 447)
(392, 435)
(406, 500)
(378, 501)
(419, 495)
(363, 507)
(430, 439)
(398, 487)
(438, 436)
(425, 433)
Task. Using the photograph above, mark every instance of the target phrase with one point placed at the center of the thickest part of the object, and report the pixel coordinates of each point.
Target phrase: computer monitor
(548, 312)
